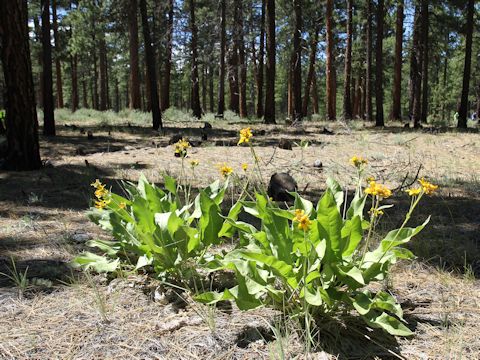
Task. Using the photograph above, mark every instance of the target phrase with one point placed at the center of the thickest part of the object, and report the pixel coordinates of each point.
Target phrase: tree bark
(168, 59)
(297, 62)
(463, 109)
(103, 72)
(23, 152)
(221, 80)
(379, 121)
(233, 79)
(330, 69)
(58, 66)
(425, 22)
(261, 60)
(415, 69)
(242, 66)
(84, 93)
(269, 113)
(151, 68)
(211, 100)
(48, 108)
(347, 91)
(368, 73)
(315, 105)
(74, 74)
(197, 110)
(397, 77)
(311, 70)
(134, 71)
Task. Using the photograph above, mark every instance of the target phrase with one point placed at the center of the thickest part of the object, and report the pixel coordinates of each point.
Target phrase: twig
(402, 185)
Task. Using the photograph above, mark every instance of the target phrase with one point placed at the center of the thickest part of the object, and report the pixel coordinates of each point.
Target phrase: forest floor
(43, 226)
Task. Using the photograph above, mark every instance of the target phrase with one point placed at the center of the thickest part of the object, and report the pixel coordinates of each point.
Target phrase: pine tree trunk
(221, 80)
(38, 40)
(242, 66)
(84, 93)
(197, 110)
(74, 74)
(347, 99)
(311, 70)
(134, 71)
(204, 86)
(368, 73)
(48, 108)
(168, 59)
(330, 69)
(297, 62)
(151, 68)
(233, 80)
(315, 105)
(58, 66)
(269, 113)
(425, 22)
(211, 99)
(261, 60)
(103, 73)
(397, 76)
(379, 121)
(463, 109)
(415, 69)
(23, 151)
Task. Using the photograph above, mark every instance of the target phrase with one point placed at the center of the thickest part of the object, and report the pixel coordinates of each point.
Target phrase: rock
(325, 131)
(80, 237)
(317, 164)
(129, 148)
(279, 186)
(285, 144)
(89, 135)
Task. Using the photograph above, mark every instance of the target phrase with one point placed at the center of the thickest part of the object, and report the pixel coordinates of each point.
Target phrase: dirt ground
(43, 225)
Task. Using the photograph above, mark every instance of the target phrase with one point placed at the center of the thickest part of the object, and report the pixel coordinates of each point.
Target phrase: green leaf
(330, 224)
(352, 234)
(228, 227)
(170, 184)
(401, 236)
(100, 264)
(314, 299)
(356, 206)
(387, 322)
(337, 192)
(110, 248)
(142, 261)
(210, 221)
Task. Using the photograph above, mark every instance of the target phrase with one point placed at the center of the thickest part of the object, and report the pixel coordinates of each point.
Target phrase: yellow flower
(101, 192)
(181, 147)
(370, 179)
(302, 219)
(375, 189)
(225, 170)
(358, 161)
(375, 212)
(97, 184)
(413, 191)
(194, 163)
(122, 205)
(245, 167)
(427, 187)
(245, 135)
(100, 204)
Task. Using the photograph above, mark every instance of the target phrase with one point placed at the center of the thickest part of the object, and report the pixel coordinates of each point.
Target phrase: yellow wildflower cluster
(380, 190)
(181, 148)
(194, 163)
(375, 212)
(413, 191)
(428, 188)
(245, 167)
(101, 194)
(245, 135)
(225, 170)
(302, 219)
(358, 161)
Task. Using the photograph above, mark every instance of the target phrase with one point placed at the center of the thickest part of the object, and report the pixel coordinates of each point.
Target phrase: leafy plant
(311, 261)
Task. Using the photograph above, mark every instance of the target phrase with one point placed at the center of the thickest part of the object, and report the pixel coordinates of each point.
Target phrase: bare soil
(43, 225)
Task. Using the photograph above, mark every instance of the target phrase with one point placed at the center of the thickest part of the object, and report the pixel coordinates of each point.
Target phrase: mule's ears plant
(311, 261)
(151, 227)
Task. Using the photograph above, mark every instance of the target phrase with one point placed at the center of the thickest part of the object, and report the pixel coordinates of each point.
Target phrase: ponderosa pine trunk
(103, 72)
(425, 25)
(415, 70)
(232, 57)
(347, 91)
(151, 68)
(58, 65)
(397, 76)
(463, 109)
(23, 152)
(330, 69)
(74, 79)
(261, 60)
(168, 59)
(48, 107)
(297, 62)
(242, 66)
(311, 70)
(315, 101)
(269, 113)
(379, 120)
(196, 108)
(368, 73)
(134, 71)
(221, 80)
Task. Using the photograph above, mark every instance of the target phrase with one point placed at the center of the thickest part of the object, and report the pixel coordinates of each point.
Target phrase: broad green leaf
(143, 261)
(337, 191)
(170, 184)
(401, 236)
(387, 322)
(356, 206)
(210, 221)
(228, 228)
(330, 224)
(110, 248)
(314, 299)
(352, 234)
(100, 264)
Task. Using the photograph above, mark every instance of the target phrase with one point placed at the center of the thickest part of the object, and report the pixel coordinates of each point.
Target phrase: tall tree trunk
(204, 85)
(117, 96)
(330, 69)
(94, 45)
(38, 40)
(315, 105)
(210, 86)
(23, 152)
(290, 90)
(168, 59)
(233, 79)
(261, 60)
(221, 80)
(415, 69)
(425, 22)
(74, 66)
(297, 62)
(311, 69)
(58, 66)
(48, 108)
(397, 77)
(368, 73)
(463, 109)
(379, 121)
(242, 66)
(197, 110)
(103, 73)
(269, 113)
(151, 68)
(347, 91)
(134, 71)
(84, 93)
